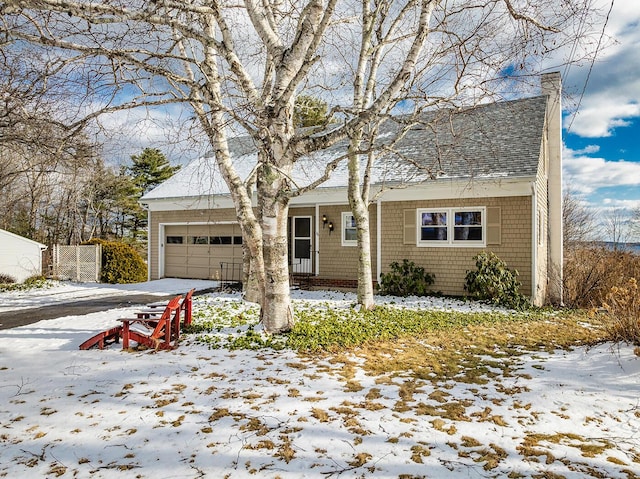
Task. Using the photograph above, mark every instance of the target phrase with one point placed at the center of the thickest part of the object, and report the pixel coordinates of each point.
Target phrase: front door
(302, 244)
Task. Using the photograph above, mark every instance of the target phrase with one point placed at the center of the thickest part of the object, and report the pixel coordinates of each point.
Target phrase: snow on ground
(197, 412)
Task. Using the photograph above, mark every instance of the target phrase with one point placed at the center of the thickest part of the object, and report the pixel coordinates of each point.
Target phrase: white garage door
(196, 251)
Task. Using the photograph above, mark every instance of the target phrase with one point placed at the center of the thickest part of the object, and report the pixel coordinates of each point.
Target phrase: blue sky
(602, 139)
(601, 118)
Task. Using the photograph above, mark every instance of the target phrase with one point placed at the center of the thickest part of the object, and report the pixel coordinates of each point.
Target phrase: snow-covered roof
(22, 239)
(497, 140)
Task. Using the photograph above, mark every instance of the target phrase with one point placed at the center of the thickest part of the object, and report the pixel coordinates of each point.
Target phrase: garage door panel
(196, 272)
(175, 263)
(176, 271)
(197, 261)
(196, 251)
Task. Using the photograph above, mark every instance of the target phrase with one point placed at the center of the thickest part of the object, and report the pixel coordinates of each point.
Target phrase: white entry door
(301, 261)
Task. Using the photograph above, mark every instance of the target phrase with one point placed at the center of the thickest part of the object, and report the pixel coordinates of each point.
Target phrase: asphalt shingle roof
(494, 140)
(497, 140)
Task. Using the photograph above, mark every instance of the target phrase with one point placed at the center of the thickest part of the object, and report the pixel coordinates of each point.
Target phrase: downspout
(316, 243)
(534, 242)
(378, 239)
(160, 251)
(146, 208)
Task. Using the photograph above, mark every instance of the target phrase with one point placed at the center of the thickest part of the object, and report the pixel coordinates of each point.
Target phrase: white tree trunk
(360, 210)
(365, 280)
(252, 277)
(277, 313)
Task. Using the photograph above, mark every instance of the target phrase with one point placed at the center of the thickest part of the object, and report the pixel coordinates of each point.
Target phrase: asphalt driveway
(22, 317)
(34, 306)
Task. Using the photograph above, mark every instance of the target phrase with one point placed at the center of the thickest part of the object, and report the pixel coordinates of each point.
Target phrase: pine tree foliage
(310, 111)
(150, 168)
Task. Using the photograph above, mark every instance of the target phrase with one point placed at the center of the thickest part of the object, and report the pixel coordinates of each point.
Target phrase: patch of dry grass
(473, 353)
(622, 313)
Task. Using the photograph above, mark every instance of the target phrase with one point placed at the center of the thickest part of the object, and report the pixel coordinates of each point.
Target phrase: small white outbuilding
(20, 257)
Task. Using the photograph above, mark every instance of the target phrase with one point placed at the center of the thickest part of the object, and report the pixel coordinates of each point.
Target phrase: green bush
(36, 281)
(32, 282)
(493, 281)
(121, 263)
(406, 279)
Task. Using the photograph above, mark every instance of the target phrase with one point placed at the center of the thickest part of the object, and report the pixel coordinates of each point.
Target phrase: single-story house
(486, 178)
(20, 257)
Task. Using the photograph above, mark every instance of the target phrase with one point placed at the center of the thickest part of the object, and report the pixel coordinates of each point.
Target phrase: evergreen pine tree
(149, 169)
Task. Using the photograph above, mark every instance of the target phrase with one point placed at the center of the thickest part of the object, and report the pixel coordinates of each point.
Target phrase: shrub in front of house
(36, 281)
(406, 279)
(8, 283)
(492, 281)
(121, 263)
(6, 279)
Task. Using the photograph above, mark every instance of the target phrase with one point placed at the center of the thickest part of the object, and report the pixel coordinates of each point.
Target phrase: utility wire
(586, 81)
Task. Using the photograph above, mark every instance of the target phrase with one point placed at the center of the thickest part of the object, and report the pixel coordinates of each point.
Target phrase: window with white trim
(349, 231)
(433, 226)
(451, 226)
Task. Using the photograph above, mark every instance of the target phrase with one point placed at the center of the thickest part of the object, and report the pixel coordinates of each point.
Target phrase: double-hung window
(433, 225)
(451, 226)
(349, 231)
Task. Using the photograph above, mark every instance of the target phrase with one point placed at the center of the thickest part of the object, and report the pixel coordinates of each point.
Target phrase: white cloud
(128, 132)
(624, 205)
(587, 150)
(601, 114)
(587, 174)
(612, 96)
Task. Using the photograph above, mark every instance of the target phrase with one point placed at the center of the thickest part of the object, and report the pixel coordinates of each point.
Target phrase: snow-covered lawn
(200, 412)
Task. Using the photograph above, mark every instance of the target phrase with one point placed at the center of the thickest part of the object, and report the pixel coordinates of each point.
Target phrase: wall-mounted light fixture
(324, 221)
(330, 226)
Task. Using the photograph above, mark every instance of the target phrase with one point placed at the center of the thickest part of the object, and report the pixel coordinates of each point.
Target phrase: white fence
(77, 263)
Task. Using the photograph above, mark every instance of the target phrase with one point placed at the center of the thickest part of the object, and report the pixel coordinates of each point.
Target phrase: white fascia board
(429, 190)
(321, 196)
(190, 203)
(457, 189)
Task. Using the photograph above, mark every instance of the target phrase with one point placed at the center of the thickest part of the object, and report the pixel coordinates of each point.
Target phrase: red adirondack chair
(186, 307)
(152, 330)
(103, 338)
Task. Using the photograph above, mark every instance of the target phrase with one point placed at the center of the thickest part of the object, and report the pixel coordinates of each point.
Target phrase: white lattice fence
(77, 263)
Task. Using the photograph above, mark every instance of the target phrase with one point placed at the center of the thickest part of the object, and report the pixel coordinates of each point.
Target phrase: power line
(586, 81)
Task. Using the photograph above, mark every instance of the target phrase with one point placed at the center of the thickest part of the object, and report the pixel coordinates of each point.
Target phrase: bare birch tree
(635, 224)
(616, 227)
(578, 221)
(479, 41)
(241, 65)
